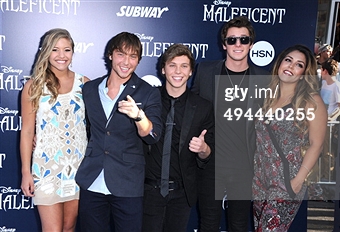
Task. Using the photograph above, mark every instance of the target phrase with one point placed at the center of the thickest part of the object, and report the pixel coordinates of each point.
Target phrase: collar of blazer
(188, 117)
(130, 86)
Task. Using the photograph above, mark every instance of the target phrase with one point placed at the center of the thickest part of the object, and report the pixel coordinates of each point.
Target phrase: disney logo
(4, 229)
(143, 36)
(7, 111)
(4, 189)
(6, 69)
(221, 2)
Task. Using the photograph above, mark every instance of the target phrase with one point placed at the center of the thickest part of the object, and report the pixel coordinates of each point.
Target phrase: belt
(157, 184)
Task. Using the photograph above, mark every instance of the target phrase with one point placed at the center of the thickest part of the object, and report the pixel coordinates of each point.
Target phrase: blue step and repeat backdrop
(158, 24)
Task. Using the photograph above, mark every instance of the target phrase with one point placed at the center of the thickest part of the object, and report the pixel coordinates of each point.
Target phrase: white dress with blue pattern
(60, 146)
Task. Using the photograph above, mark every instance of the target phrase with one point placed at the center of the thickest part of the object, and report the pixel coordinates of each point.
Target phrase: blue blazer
(115, 145)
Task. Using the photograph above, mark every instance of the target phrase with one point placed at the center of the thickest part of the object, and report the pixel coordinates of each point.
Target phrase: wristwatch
(140, 116)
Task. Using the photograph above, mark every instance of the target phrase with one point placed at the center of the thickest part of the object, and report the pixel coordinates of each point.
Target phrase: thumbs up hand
(198, 145)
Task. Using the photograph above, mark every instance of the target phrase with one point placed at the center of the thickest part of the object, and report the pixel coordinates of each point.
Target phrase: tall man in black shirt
(191, 145)
(235, 136)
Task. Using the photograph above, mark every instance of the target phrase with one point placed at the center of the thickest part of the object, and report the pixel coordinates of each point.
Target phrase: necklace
(286, 101)
(232, 84)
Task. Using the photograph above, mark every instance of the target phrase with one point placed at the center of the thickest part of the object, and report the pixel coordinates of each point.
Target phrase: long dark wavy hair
(305, 88)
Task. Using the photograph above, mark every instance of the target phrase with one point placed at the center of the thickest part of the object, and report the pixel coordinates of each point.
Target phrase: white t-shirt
(330, 95)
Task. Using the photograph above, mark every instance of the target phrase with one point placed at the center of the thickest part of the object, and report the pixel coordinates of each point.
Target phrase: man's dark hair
(177, 50)
(238, 22)
(125, 41)
(331, 66)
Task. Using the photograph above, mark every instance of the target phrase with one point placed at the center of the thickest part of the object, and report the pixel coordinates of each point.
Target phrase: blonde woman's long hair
(305, 88)
(42, 73)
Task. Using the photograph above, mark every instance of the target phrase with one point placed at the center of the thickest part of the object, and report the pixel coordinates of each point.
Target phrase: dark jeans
(95, 210)
(238, 215)
(239, 204)
(210, 210)
(165, 214)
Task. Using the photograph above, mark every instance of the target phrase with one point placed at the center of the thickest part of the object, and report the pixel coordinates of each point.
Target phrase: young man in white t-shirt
(330, 93)
(330, 90)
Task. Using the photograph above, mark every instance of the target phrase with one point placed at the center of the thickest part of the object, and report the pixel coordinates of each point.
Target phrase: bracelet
(305, 168)
(140, 116)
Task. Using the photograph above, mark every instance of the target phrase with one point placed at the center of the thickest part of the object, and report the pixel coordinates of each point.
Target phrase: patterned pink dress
(274, 209)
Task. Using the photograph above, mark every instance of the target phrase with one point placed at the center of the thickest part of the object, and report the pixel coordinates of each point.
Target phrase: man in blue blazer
(123, 111)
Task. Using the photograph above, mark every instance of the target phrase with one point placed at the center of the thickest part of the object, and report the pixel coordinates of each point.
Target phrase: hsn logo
(262, 53)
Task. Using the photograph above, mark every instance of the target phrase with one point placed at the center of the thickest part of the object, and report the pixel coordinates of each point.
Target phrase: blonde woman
(295, 117)
(52, 109)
